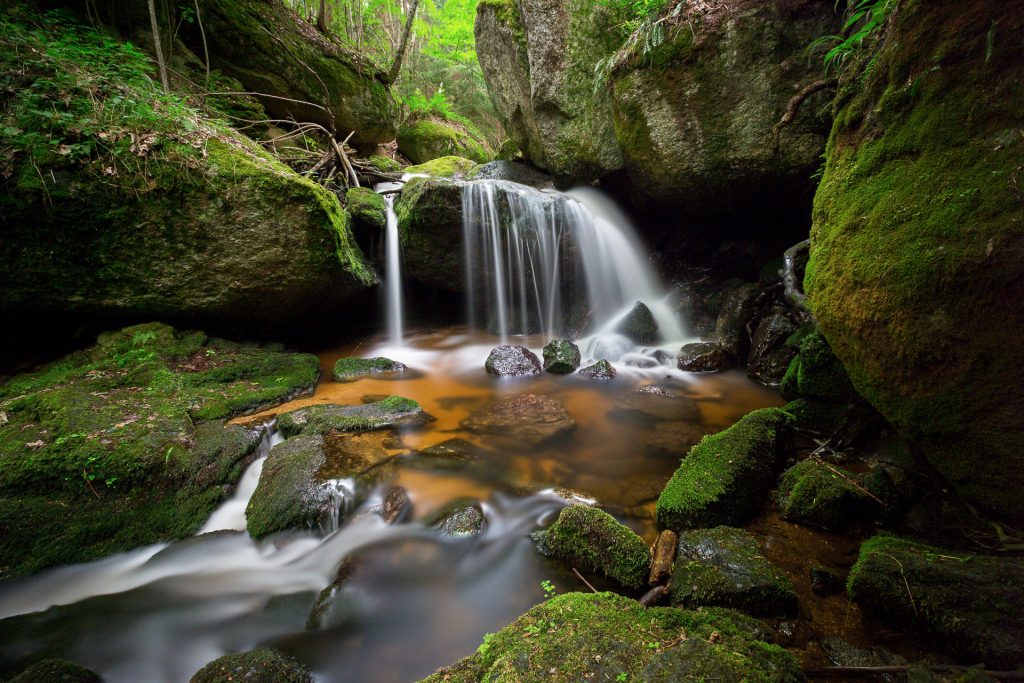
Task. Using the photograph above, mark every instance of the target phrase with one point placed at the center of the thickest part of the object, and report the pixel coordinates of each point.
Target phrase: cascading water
(392, 267)
(551, 262)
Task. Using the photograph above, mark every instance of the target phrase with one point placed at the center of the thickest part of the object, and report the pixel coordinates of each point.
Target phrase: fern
(864, 18)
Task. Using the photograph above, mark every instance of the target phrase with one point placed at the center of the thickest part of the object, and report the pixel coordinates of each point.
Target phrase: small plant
(549, 588)
(621, 678)
(486, 645)
(864, 19)
(532, 629)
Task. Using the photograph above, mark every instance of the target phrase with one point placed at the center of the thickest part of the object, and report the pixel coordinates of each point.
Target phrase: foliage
(864, 19)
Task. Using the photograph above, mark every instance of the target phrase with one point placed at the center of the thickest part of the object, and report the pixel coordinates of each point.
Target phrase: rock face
(262, 665)
(271, 50)
(192, 220)
(916, 288)
(538, 58)
(527, 419)
(924, 588)
(724, 567)
(606, 635)
(591, 539)
(727, 476)
(561, 357)
(513, 171)
(509, 360)
(423, 139)
(129, 434)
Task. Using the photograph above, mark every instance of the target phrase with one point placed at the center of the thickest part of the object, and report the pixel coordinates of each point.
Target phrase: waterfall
(555, 263)
(392, 268)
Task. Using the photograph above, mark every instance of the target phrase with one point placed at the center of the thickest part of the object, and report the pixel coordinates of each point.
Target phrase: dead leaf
(36, 444)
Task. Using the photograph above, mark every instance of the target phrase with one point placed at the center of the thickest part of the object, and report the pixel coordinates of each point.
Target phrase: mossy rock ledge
(129, 434)
(917, 243)
(969, 604)
(604, 637)
(393, 411)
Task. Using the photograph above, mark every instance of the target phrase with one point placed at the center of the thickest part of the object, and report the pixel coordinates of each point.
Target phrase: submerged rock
(656, 403)
(968, 604)
(262, 665)
(561, 357)
(459, 519)
(593, 540)
(602, 369)
(639, 325)
(394, 411)
(828, 497)
(56, 671)
(724, 567)
(528, 420)
(353, 368)
(673, 439)
(917, 246)
(726, 477)
(704, 357)
(423, 138)
(509, 360)
(601, 636)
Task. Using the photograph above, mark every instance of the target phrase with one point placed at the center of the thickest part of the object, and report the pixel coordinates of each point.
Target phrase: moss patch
(445, 167)
(321, 419)
(726, 477)
(262, 665)
(367, 208)
(424, 139)
(353, 367)
(828, 497)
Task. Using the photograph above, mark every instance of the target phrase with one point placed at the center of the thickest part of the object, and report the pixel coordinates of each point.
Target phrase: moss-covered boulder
(538, 58)
(445, 167)
(422, 139)
(561, 356)
(917, 246)
(368, 210)
(393, 411)
(129, 434)
(639, 325)
(429, 214)
(817, 494)
(262, 665)
(607, 637)
(56, 671)
(593, 540)
(726, 477)
(150, 209)
(725, 567)
(696, 116)
(969, 604)
(353, 367)
(310, 75)
(815, 373)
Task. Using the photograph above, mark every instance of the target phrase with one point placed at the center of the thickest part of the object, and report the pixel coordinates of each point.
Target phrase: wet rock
(509, 360)
(826, 496)
(333, 607)
(393, 411)
(56, 671)
(969, 605)
(453, 449)
(262, 665)
(353, 368)
(738, 309)
(598, 636)
(690, 306)
(512, 171)
(726, 477)
(459, 519)
(770, 356)
(639, 325)
(444, 167)
(396, 506)
(815, 372)
(602, 369)
(528, 420)
(593, 540)
(429, 212)
(704, 357)
(561, 356)
(656, 403)
(674, 439)
(724, 567)
(825, 582)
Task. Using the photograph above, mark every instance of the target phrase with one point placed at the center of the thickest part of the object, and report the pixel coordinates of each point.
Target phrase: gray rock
(704, 357)
(508, 360)
(656, 403)
(770, 356)
(459, 519)
(602, 369)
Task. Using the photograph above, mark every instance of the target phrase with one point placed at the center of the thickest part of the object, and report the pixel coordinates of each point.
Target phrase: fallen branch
(654, 596)
(344, 161)
(583, 580)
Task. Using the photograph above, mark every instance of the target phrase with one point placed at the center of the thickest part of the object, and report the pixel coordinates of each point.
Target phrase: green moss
(262, 665)
(288, 495)
(354, 367)
(366, 207)
(593, 540)
(321, 419)
(726, 477)
(825, 496)
(969, 604)
(384, 164)
(815, 372)
(916, 241)
(606, 637)
(56, 671)
(724, 567)
(424, 139)
(444, 167)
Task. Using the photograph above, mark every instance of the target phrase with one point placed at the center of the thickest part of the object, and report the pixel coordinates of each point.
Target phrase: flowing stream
(395, 314)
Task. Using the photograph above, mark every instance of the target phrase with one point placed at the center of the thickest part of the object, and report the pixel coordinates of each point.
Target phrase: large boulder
(696, 117)
(309, 75)
(164, 212)
(262, 665)
(129, 435)
(429, 212)
(608, 637)
(422, 139)
(538, 58)
(968, 604)
(527, 420)
(510, 360)
(917, 246)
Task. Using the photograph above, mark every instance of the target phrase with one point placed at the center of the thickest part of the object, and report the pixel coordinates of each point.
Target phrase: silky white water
(395, 313)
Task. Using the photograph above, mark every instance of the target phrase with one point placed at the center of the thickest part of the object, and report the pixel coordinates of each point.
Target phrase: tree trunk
(156, 43)
(322, 19)
(397, 66)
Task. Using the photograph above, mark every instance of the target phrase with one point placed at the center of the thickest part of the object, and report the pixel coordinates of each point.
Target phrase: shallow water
(416, 600)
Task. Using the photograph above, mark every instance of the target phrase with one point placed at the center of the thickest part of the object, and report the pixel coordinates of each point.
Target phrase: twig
(583, 580)
(905, 583)
(852, 483)
(86, 477)
(344, 160)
